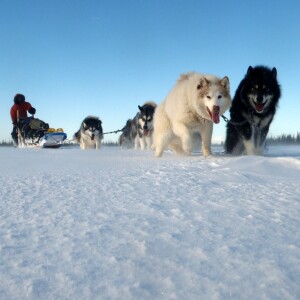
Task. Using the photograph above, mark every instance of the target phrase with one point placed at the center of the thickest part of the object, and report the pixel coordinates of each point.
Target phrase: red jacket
(22, 108)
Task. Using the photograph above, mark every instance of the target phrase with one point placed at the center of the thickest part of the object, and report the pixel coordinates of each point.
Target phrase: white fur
(250, 147)
(87, 130)
(184, 112)
(87, 143)
(145, 142)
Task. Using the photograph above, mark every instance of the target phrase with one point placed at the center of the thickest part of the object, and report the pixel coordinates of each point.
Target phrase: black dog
(252, 111)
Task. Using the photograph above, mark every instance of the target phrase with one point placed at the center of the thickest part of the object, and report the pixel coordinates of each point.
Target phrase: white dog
(193, 105)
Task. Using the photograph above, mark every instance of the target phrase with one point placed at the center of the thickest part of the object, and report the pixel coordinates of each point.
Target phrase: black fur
(247, 117)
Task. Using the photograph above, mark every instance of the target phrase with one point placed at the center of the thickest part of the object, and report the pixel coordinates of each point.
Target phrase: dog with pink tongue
(195, 103)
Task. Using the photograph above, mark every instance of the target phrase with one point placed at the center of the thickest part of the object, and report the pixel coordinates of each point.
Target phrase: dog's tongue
(146, 132)
(215, 114)
(215, 118)
(259, 107)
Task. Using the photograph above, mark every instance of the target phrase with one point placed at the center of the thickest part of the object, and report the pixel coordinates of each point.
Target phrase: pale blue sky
(76, 58)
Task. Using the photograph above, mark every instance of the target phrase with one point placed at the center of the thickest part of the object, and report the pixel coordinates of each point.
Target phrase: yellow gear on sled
(55, 130)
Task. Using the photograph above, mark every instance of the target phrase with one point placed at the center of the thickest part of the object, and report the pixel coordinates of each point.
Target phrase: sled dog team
(195, 103)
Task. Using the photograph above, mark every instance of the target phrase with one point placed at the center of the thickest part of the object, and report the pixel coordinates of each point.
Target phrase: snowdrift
(122, 224)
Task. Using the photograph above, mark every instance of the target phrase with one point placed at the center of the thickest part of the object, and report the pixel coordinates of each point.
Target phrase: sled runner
(33, 132)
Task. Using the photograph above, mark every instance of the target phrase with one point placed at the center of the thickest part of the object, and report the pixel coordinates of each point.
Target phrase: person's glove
(32, 110)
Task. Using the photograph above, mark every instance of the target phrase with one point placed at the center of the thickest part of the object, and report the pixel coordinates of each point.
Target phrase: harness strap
(233, 123)
(251, 121)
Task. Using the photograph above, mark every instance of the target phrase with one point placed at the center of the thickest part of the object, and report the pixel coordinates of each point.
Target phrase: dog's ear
(84, 125)
(140, 108)
(202, 83)
(99, 124)
(242, 93)
(224, 82)
(274, 73)
(249, 71)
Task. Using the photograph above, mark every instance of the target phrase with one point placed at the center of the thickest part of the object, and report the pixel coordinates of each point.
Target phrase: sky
(77, 58)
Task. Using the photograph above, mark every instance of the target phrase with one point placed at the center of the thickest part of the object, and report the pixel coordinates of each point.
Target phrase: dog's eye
(220, 96)
(267, 91)
(265, 88)
(208, 97)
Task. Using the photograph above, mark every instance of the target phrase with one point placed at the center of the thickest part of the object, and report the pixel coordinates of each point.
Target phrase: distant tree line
(271, 140)
(110, 143)
(6, 143)
(284, 139)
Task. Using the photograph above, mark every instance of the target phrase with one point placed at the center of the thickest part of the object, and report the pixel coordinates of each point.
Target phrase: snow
(122, 224)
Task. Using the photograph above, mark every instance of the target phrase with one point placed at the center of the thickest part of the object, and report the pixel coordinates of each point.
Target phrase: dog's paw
(207, 153)
(158, 152)
(187, 148)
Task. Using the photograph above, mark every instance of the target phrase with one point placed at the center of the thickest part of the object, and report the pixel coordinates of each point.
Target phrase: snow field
(122, 224)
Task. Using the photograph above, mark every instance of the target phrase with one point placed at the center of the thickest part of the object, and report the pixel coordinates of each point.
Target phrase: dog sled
(33, 132)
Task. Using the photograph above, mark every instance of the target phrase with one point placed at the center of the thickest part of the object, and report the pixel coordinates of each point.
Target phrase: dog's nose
(216, 109)
(259, 98)
(145, 127)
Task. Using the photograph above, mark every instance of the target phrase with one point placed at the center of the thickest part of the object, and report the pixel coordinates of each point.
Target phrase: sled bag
(38, 124)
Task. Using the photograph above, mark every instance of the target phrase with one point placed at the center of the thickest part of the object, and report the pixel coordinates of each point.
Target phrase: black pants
(14, 134)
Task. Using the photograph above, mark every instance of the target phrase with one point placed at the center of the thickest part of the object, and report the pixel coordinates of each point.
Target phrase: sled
(33, 132)
(53, 139)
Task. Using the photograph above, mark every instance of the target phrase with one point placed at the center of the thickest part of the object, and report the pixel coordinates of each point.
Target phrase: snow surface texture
(122, 224)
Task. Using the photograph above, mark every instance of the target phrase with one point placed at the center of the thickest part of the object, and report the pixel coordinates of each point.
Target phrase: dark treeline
(271, 140)
(277, 140)
(110, 143)
(284, 139)
(6, 143)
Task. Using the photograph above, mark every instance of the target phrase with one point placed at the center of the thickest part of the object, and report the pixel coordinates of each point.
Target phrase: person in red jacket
(19, 111)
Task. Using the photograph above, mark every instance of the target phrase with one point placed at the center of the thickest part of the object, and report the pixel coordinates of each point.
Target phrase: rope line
(116, 131)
